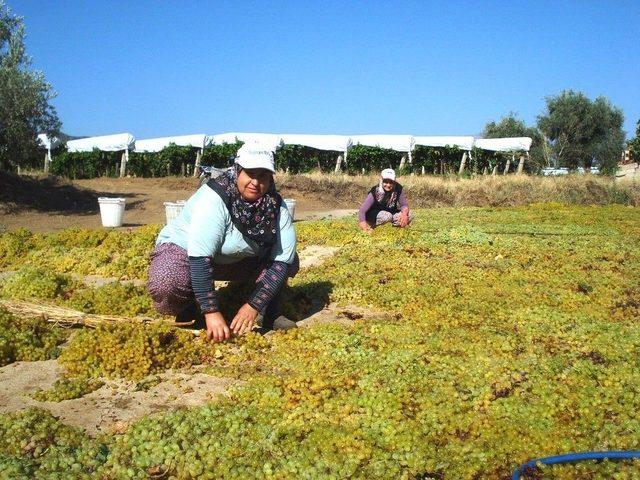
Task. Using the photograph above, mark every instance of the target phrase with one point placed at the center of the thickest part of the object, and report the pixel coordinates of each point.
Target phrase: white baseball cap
(253, 155)
(388, 174)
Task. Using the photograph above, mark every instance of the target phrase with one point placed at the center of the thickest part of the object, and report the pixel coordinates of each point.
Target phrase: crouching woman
(386, 202)
(233, 228)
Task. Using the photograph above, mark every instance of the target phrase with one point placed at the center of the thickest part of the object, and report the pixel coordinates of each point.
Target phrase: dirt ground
(45, 204)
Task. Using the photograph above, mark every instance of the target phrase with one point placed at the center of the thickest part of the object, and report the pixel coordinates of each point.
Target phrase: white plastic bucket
(291, 206)
(111, 211)
(173, 209)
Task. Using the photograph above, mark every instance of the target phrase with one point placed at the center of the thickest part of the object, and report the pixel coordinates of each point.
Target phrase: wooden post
(506, 167)
(403, 161)
(520, 165)
(123, 164)
(338, 164)
(198, 160)
(463, 162)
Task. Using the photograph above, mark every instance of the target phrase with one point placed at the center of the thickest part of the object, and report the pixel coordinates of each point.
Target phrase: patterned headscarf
(257, 220)
(386, 198)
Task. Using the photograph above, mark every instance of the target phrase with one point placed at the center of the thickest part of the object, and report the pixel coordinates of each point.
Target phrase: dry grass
(480, 191)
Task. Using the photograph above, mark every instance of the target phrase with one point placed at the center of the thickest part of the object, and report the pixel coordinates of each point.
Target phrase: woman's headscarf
(384, 197)
(257, 220)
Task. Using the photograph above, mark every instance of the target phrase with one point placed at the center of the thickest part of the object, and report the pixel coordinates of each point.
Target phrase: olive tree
(583, 132)
(25, 96)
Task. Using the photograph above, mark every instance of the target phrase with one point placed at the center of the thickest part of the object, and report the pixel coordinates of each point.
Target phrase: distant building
(627, 157)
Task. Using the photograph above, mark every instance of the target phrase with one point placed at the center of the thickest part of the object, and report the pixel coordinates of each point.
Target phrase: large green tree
(583, 132)
(25, 108)
(512, 126)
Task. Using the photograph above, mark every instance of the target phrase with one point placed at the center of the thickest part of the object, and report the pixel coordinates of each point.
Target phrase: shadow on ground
(51, 194)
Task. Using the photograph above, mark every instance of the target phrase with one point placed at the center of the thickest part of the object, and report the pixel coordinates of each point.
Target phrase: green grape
(67, 389)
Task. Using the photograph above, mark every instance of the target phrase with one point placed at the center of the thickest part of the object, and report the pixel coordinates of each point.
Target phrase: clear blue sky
(415, 67)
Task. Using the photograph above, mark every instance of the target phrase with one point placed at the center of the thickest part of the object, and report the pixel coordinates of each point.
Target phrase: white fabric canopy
(400, 143)
(463, 143)
(157, 144)
(269, 140)
(48, 143)
(106, 143)
(338, 143)
(504, 144)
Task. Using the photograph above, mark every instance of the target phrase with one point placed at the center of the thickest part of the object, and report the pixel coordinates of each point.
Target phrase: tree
(583, 132)
(25, 110)
(512, 126)
(634, 144)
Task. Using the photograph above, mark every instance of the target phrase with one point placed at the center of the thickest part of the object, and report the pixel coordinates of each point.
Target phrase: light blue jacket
(204, 229)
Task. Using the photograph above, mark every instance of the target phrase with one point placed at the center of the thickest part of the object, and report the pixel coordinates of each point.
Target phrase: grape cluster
(32, 282)
(120, 254)
(34, 444)
(128, 350)
(115, 298)
(28, 339)
(67, 389)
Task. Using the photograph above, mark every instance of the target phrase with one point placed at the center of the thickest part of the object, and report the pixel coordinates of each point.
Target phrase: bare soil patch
(45, 204)
(113, 406)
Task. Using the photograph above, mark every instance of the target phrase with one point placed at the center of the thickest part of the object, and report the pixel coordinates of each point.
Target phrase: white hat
(254, 155)
(389, 174)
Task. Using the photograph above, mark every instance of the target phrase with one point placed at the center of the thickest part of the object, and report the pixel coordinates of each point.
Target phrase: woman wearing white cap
(236, 227)
(386, 202)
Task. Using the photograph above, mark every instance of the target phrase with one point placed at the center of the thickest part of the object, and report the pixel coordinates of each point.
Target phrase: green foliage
(220, 156)
(85, 164)
(171, 160)
(512, 126)
(27, 339)
(25, 96)
(583, 132)
(438, 161)
(371, 159)
(301, 159)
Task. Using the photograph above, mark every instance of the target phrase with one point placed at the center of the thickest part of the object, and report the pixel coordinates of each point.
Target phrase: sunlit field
(496, 335)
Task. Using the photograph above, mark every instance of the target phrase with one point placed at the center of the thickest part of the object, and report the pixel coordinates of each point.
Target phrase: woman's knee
(383, 217)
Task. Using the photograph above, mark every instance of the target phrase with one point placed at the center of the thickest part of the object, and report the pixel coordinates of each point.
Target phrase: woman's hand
(365, 227)
(244, 319)
(217, 328)
(403, 221)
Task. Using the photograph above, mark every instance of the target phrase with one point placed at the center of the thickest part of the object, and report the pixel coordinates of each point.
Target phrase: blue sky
(407, 67)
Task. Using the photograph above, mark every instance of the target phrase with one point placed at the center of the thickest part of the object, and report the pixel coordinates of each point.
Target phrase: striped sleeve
(269, 283)
(202, 283)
